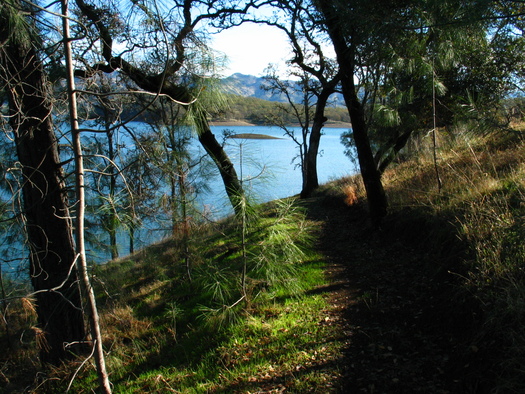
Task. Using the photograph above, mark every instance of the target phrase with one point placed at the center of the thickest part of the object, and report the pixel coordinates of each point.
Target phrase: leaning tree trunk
(85, 282)
(49, 229)
(229, 176)
(160, 84)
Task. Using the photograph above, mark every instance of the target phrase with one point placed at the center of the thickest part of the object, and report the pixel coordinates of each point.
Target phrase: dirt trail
(393, 300)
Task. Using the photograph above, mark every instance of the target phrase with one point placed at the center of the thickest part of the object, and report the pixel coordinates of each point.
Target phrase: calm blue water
(268, 173)
(280, 177)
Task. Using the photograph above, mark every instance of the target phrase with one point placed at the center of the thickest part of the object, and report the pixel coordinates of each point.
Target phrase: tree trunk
(132, 239)
(233, 186)
(375, 193)
(85, 282)
(160, 84)
(311, 182)
(112, 218)
(384, 157)
(345, 52)
(49, 229)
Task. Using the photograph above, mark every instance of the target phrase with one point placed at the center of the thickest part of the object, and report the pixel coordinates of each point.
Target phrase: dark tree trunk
(393, 147)
(375, 193)
(49, 229)
(345, 52)
(229, 175)
(132, 240)
(310, 181)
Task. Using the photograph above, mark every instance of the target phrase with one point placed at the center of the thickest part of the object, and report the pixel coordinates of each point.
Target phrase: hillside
(246, 86)
(250, 86)
(246, 103)
(249, 103)
(431, 302)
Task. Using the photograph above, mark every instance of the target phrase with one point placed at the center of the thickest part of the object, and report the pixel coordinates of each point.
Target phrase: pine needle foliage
(21, 31)
(262, 260)
(282, 242)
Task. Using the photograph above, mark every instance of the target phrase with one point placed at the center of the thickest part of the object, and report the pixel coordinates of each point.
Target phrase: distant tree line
(264, 112)
(237, 108)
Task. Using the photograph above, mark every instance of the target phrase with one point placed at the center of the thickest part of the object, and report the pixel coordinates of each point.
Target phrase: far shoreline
(232, 123)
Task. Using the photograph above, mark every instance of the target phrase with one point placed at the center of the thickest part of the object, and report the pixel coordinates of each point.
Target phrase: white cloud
(251, 47)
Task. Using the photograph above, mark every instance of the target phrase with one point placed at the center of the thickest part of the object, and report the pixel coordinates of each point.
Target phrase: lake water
(268, 170)
(281, 177)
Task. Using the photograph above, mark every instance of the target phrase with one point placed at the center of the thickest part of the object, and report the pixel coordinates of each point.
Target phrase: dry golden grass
(351, 196)
(483, 196)
(468, 165)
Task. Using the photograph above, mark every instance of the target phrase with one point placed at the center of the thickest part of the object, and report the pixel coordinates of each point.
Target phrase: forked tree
(317, 73)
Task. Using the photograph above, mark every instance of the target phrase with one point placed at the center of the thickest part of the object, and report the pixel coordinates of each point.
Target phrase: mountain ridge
(245, 85)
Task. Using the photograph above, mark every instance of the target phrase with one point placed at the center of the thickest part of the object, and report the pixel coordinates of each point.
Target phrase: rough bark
(345, 52)
(49, 229)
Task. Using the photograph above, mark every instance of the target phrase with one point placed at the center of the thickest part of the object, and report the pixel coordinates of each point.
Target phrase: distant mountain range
(246, 86)
(250, 86)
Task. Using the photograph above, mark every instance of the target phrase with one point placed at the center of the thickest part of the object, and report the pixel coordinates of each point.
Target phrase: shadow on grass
(409, 325)
(206, 357)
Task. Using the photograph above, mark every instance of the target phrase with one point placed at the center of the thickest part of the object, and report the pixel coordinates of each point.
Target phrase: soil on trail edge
(395, 302)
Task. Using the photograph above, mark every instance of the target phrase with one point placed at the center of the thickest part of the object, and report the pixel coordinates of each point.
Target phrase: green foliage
(218, 282)
(265, 249)
(21, 33)
(460, 66)
(261, 112)
(168, 334)
(196, 337)
(281, 241)
(209, 100)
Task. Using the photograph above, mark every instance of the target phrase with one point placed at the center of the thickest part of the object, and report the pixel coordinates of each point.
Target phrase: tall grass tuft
(494, 226)
(261, 261)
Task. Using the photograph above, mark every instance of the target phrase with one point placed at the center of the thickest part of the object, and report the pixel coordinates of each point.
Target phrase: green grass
(275, 344)
(164, 333)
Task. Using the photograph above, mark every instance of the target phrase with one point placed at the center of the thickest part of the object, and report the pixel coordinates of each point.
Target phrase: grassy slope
(161, 341)
(442, 280)
(432, 302)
